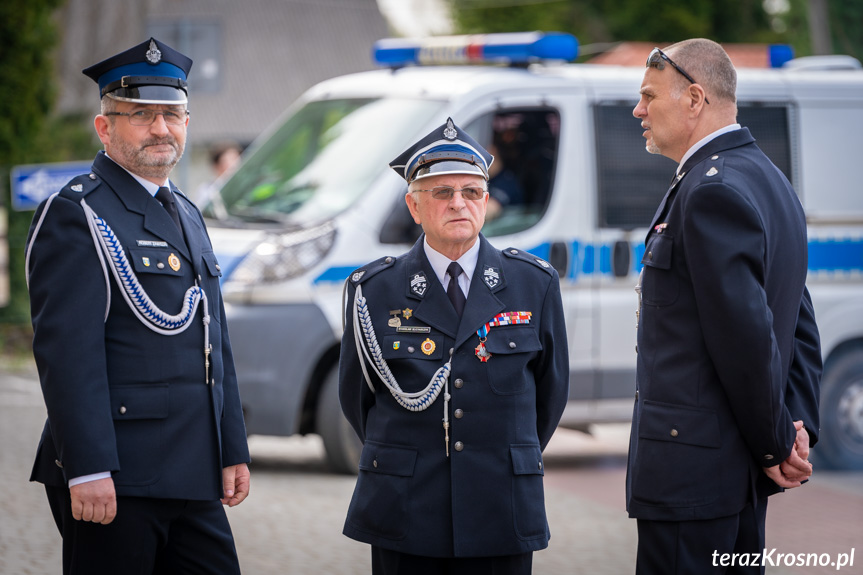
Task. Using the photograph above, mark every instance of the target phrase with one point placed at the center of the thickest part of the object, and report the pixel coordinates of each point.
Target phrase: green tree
(29, 133)
(597, 21)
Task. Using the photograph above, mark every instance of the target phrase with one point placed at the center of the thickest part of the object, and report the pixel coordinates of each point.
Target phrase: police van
(572, 183)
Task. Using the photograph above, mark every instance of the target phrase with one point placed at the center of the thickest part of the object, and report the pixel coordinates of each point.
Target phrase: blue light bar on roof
(509, 48)
(778, 54)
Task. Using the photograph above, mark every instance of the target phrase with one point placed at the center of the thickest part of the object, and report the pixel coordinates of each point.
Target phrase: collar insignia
(419, 284)
(491, 277)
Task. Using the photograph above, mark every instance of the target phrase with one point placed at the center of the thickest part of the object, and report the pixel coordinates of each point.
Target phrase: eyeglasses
(146, 117)
(447, 193)
(656, 60)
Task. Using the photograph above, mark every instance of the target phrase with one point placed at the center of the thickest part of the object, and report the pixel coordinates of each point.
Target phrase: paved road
(291, 523)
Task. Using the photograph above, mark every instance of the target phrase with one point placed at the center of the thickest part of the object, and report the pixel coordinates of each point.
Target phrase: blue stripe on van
(595, 259)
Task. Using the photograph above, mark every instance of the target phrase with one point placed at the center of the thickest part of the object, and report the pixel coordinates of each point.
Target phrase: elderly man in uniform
(454, 373)
(729, 359)
(145, 429)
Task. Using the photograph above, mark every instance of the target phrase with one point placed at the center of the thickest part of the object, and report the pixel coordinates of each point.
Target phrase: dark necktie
(456, 295)
(165, 196)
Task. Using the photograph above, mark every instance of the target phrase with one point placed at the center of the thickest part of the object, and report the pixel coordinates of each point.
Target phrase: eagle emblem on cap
(153, 55)
(450, 132)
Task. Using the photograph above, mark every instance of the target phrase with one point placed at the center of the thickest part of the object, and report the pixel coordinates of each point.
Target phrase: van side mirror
(621, 259)
(558, 257)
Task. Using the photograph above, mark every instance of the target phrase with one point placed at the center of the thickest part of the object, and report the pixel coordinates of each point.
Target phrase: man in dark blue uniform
(454, 373)
(145, 430)
(728, 351)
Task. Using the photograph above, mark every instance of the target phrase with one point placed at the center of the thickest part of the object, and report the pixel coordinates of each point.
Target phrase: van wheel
(841, 443)
(340, 441)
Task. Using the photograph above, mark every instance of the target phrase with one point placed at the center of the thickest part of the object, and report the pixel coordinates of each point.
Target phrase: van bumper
(276, 349)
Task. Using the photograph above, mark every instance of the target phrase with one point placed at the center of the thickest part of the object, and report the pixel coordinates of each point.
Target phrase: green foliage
(28, 132)
(846, 27)
(597, 21)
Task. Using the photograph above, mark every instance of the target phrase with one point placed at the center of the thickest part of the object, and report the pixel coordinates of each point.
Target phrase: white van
(314, 199)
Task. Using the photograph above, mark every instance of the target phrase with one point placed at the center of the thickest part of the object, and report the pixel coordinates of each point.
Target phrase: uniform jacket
(486, 499)
(728, 350)
(120, 397)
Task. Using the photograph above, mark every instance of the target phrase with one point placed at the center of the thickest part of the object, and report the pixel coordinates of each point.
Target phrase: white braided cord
(371, 350)
(140, 303)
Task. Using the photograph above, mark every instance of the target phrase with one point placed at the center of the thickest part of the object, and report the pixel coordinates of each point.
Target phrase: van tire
(840, 445)
(340, 440)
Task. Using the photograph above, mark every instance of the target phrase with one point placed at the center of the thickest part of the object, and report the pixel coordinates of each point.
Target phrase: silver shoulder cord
(369, 350)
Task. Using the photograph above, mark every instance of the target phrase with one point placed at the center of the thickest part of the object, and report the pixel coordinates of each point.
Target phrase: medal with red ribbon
(505, 318)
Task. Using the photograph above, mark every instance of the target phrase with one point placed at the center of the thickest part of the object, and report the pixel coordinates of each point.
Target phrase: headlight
(281, 257)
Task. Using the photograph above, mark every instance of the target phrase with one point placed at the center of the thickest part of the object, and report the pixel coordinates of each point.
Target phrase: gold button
(459, 413)
(459, 445)
(674, 433)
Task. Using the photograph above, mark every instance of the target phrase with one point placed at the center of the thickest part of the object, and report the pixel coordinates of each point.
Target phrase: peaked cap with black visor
(446, 150)
(150, 73)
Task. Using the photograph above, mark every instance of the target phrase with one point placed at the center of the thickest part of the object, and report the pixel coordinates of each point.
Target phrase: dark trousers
(387, 562)
(732, 544)
(148, 536)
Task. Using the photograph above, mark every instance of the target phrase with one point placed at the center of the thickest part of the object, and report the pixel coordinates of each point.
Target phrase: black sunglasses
(656, 60)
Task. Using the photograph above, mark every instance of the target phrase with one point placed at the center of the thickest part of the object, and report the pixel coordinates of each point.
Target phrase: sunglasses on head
(658, 58)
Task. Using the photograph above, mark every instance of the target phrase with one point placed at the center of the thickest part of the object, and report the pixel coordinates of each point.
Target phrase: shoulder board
(710, 169)
(362, 274)
(80, 186)
(517, 254)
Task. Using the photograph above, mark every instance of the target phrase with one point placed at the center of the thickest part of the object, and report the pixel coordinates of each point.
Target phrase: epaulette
(362, 274)
(80, 186)
(517, 254)
(711, 169)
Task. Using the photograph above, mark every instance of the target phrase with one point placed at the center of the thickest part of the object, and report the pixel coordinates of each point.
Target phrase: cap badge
(419, 284)
(450, 132)
(491, 277)
(154, 55)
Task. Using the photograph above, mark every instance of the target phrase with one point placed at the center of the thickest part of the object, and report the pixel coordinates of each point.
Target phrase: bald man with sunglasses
(729, 363)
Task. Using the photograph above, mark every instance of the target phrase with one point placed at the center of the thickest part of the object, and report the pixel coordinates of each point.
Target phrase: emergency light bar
(506, 48)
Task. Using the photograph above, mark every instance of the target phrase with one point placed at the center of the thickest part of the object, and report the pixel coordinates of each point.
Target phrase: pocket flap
(681, 424)
(514, 339)
(657, 254)
(526, 460)
(148, 401)
(212, 264)
(153, 261)
(388, 459)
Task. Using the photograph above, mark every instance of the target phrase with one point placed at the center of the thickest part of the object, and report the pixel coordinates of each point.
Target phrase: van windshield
(321, 159)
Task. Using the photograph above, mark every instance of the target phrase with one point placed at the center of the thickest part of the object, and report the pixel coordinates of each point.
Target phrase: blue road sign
(33, 183)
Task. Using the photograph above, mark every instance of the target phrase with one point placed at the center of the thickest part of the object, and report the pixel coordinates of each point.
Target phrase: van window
(524, 143)
(320, 160)
(632, 182)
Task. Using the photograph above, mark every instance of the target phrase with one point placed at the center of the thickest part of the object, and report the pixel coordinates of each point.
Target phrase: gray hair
(709, 65)
(108, 105)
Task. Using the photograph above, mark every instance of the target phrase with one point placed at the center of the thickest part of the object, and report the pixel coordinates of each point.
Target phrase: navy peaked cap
(446, 150)
(150, 73)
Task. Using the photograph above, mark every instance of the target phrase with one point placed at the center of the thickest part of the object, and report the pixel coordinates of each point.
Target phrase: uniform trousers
(698, 547)
(388, 562)
(148, 536)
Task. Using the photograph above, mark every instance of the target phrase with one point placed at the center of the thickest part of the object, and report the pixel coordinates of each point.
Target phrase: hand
(796, 468)
(94, 501)
(235, 481)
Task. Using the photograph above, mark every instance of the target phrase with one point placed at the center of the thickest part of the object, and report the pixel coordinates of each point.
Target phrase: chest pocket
(512, 348)
(659, 283)
(156, 261)
(412, 346)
